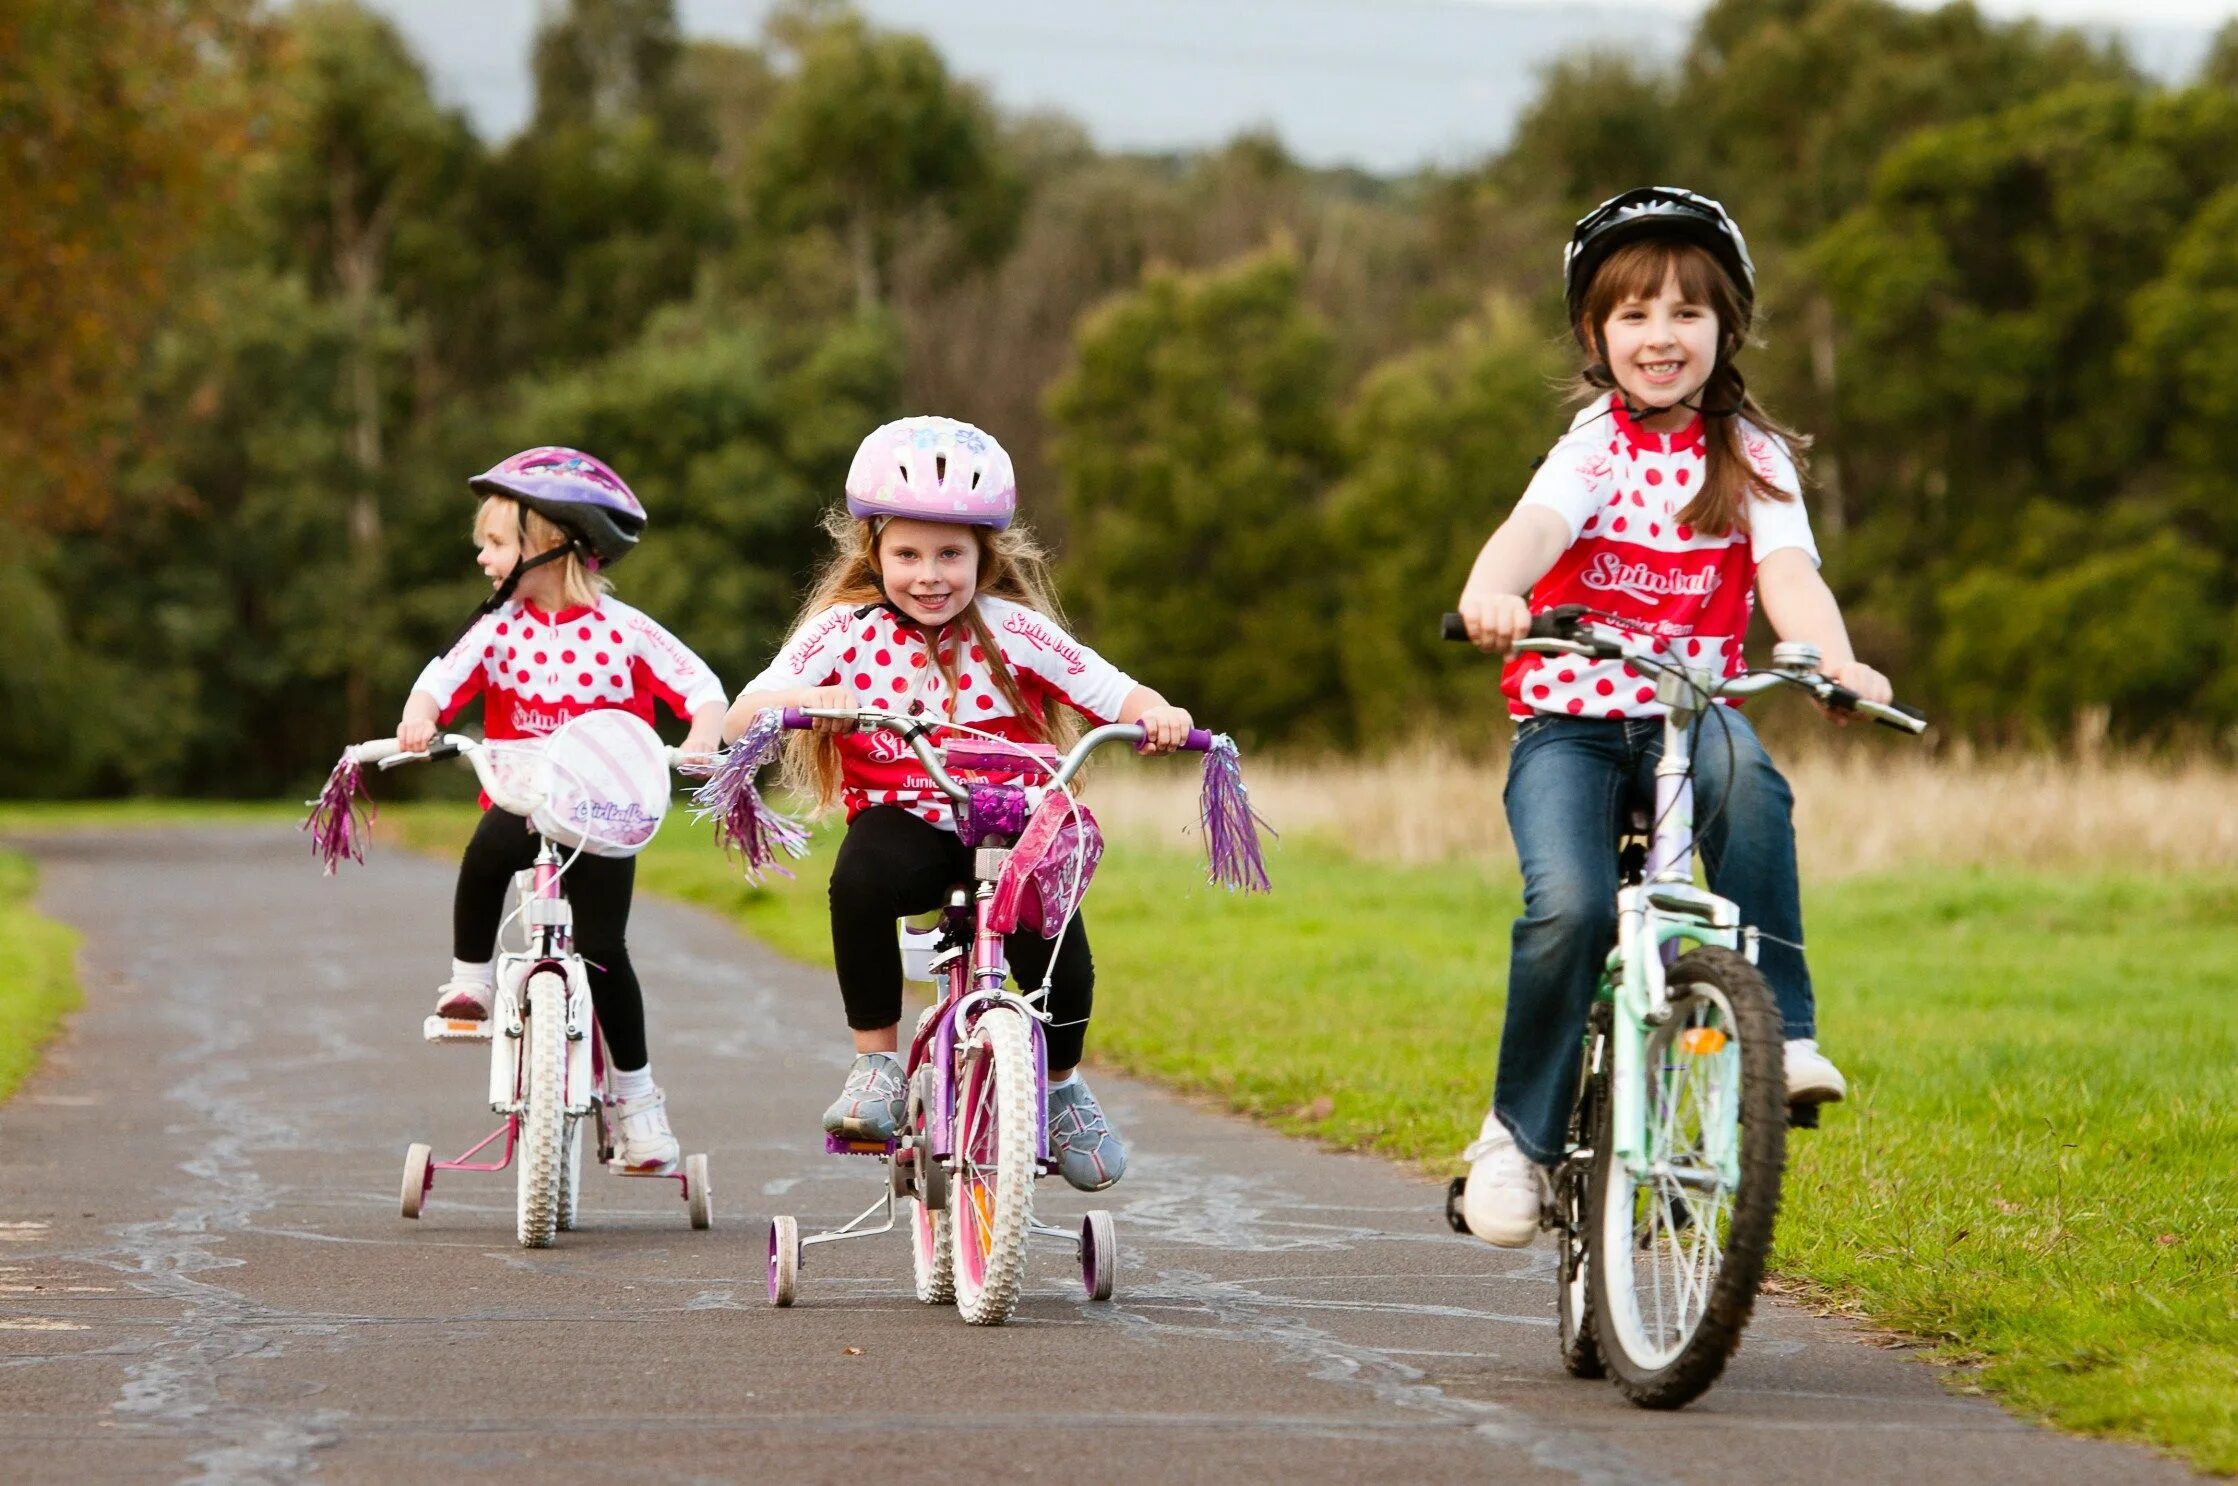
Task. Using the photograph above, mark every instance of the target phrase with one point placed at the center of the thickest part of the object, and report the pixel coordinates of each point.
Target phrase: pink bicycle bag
(1048, 870)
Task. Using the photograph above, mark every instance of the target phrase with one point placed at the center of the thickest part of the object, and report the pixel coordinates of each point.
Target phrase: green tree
(872, 140)
(1438, 444)
(1193, 440)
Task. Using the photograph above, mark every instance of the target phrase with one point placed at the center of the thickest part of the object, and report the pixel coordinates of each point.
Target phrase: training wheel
(1453, 1215)
(1099, 1254)
(784, 1260)
(701, 1199)
(419, 1175)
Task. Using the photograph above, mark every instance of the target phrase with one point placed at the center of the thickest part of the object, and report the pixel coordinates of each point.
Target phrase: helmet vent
(975, 479)
(940, 469)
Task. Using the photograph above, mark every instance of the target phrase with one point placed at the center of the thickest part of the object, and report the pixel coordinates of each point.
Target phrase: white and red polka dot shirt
(535, 671)
(897, 667)
(1619, 488)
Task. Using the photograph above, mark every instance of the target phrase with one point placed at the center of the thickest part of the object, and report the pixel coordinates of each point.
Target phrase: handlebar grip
(375, 750)
(1918, 717)
(1200, 741)
(443, 749)
(1452, 627)
(1558, 623)
(796, 718)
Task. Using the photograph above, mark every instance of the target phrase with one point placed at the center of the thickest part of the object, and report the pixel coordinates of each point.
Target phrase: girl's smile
(1662, 351)
(930, 568)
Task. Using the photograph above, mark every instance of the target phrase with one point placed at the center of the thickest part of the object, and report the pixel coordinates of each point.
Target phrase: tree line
(271, 303)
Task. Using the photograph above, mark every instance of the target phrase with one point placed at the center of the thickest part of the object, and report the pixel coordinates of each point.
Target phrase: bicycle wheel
(543, 1119)
(931, 1244)
(992, 1198)
(1573, 1233)
(1678, 1248)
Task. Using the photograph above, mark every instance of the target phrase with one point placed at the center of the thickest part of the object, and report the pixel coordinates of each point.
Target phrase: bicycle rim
(1680, 1244)
(991, 1197)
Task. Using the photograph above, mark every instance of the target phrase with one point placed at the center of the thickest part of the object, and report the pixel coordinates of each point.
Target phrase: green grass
(2034, 1174)
(38, 983)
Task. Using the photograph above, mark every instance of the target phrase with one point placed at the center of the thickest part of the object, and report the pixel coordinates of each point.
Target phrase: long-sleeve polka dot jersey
(899, 667)
(1619, 488)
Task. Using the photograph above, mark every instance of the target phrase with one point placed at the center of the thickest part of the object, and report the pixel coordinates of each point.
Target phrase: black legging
(892, 863)
(598, 887)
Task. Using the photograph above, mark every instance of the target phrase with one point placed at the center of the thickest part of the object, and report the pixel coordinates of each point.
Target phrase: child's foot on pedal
(1811, 1077)
(464, 1000)
(1506, 1192)
(871, 1105)
(642, 1139)
(1088, 1153)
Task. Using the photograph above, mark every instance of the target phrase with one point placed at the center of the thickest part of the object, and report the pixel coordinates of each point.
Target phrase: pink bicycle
(976, 1128)
(600, 783)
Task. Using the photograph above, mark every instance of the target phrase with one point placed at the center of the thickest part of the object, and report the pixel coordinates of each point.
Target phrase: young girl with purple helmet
(935, 604)
(1670, 509)
(549, 645)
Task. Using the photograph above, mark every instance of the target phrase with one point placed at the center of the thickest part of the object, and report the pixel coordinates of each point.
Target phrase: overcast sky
(1385, 84)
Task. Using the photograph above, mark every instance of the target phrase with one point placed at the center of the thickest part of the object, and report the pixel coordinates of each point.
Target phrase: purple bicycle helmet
(1656, 211)
(578, 493)
(933, 469)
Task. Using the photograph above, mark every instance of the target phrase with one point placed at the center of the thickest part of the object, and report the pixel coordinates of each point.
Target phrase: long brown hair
(1012, 565)
(1639, 270)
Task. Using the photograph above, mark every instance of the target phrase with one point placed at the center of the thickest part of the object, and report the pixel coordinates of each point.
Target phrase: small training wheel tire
(702, 1200)
(784, 1260)
(418, 1177)
(1453, 1217)
(1099, 1254)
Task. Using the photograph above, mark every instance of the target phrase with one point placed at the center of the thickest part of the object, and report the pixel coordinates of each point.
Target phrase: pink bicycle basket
(1048, 870)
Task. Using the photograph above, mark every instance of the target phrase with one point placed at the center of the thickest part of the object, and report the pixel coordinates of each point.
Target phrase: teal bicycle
(1669, 1183)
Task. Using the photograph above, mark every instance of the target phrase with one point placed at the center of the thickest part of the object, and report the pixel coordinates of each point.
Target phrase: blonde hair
(1639, 270)
(579, 586)
(1012, 565)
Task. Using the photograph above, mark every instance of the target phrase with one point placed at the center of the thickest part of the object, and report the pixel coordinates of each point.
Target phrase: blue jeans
(1570, 780)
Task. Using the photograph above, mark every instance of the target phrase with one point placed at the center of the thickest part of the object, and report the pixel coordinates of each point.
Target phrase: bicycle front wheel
(543, 1128)
(1680, 1239)
(992, 1197)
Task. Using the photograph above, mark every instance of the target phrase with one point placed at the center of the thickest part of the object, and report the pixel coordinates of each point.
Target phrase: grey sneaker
(1088, 1153)
(870, 1107)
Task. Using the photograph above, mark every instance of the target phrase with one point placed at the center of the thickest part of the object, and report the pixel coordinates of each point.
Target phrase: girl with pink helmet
(549, 645)
(935, 604)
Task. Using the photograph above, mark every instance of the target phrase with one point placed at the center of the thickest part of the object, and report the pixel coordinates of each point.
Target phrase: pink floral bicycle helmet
(580, 494)
(933, 469)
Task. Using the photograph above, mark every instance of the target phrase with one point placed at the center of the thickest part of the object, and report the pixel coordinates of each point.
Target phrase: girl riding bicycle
(935, 605)
(1670, 508)
(549, 645)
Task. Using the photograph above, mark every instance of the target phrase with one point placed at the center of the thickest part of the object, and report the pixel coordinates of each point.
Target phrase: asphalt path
(204, 1275)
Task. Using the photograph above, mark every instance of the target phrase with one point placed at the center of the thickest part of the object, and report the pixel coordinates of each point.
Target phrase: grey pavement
(204, 1276)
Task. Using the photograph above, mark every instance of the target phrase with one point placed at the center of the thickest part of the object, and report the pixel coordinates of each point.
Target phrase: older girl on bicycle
(1672, 506)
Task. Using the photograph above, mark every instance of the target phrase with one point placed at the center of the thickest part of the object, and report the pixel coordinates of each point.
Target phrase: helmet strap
(504, 593)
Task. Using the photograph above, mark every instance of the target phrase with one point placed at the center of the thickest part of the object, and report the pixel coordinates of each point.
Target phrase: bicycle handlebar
(1558, 631)
(915, 731)
(387, 753)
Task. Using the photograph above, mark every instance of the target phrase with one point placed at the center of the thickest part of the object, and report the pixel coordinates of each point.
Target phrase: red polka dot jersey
(897, 667)
(1619, 488)
(535, 671)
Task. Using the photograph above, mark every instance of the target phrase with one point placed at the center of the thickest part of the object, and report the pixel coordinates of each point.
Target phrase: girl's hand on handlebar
(703, 742)
(1164, 728)
(837, 699)
(1856, 676)
(1495, 620)
(413, 736)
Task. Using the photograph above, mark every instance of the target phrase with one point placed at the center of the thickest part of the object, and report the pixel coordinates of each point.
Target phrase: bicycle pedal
(840, 1145)
(1802, 1116)
(454, 1029)
(673, 1168)
(1453, 1192)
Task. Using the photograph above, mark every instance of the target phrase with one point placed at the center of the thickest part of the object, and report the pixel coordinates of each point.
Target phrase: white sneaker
(1506, 1190)
(642, 1139)
(1811, 1078)
(464, 1000)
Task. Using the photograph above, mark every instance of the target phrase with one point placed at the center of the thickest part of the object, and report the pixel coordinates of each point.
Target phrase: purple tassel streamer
(744, 823)
(1231, 826)
(340, 816)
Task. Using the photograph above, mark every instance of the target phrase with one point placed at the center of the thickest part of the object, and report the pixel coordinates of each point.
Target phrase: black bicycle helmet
(1655, 211)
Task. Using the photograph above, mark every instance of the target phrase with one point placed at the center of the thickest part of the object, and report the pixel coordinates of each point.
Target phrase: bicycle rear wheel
(1679, 1247)
(543, 1130)
(1573, 1233)
(992, 1197)
(932, 1246)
